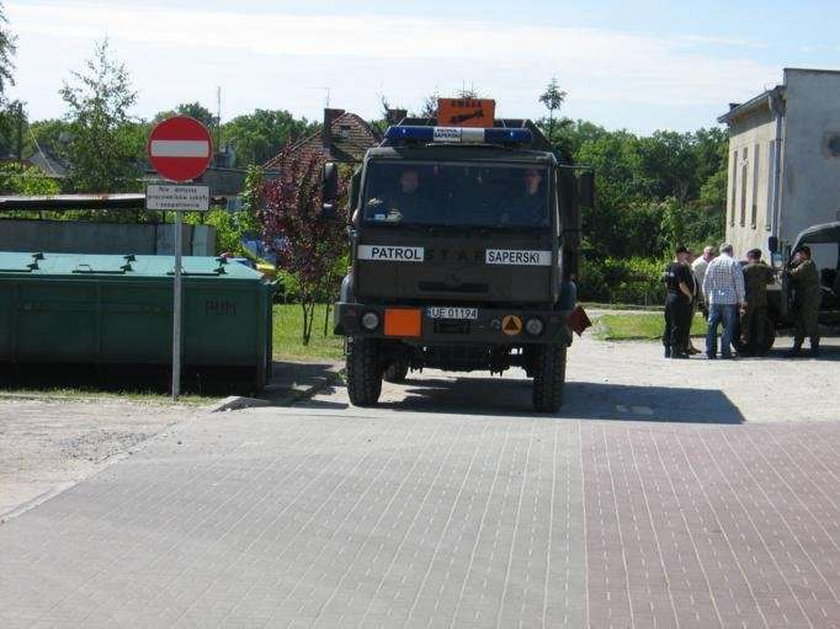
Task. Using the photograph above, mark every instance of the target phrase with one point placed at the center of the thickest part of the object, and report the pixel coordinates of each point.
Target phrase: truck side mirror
(773, 244)
(329, 190)
(586, 188)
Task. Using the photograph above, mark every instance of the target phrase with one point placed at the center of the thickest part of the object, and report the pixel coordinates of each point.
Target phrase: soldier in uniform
(679, 282)
(757, 275)
(805, 281)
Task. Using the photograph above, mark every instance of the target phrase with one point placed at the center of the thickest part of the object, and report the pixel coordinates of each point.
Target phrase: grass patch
(642, 326)
(288, 334)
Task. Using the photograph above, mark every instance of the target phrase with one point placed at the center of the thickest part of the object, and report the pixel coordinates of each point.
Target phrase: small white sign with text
(177, 198)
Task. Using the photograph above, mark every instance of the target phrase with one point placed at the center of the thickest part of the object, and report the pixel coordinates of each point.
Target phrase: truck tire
(549, 377)
(396, 372)
(364, 377)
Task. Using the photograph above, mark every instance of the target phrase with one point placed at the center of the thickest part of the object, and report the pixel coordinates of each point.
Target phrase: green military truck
(464, 247)
(824, 241)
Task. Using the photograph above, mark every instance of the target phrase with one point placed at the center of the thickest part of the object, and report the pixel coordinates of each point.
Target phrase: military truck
(824, 241)
(464, 251)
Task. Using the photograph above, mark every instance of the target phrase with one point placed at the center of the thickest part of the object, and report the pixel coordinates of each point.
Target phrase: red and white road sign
(180, 148)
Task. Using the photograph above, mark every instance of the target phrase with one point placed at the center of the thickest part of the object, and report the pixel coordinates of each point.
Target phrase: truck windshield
(456, 194)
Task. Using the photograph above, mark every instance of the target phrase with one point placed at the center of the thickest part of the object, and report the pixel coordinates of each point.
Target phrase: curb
(292, 396)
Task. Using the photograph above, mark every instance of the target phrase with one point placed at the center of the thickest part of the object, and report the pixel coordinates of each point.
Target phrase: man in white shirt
(699, 267)
(723, 287)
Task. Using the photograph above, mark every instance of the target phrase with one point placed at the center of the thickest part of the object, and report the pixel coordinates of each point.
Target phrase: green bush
(230, 227)
(630, 281)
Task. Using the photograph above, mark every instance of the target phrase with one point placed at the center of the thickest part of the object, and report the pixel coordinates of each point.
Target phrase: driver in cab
(528, 207)
(402, 205)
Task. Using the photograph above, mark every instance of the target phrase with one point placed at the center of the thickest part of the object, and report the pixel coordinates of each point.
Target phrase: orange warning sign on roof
(466, 112)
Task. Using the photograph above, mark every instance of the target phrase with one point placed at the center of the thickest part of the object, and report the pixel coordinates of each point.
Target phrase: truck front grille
(443, 287)
(451, 326)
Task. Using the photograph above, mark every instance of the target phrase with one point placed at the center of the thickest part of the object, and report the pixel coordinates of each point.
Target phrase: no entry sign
(180, 148)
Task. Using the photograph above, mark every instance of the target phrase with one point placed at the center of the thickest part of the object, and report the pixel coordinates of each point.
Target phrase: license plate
(451, 312)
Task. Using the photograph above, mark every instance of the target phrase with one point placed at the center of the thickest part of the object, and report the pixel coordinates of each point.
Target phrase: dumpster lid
(80, 265)
(16, 262)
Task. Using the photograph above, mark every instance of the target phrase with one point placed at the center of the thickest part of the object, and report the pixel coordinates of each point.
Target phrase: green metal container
(117, 310)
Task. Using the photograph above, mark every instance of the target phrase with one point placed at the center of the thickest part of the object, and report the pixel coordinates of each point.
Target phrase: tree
(12, 117)
(102, 147)
(258, 137)
(7, 51)
(669, 161)
(429, 109)
(553, 99)
(307, 246)
(26, 180)
(193, 110)
(12, 125)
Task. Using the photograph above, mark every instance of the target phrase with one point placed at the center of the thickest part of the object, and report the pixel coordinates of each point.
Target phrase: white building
(784, 160)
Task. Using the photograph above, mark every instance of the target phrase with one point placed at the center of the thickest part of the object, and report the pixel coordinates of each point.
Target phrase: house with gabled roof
(343, 138)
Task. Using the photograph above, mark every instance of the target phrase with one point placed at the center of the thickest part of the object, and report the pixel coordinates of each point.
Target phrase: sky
(641, 66)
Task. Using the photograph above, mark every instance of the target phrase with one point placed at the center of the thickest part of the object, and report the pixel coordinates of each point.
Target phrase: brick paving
(288, 517)
(710, 526)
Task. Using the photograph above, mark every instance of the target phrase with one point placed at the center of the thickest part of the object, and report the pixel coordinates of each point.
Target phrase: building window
(734, 187)
(771, 175)
(832, 144)
(745, 162)
(754, 206)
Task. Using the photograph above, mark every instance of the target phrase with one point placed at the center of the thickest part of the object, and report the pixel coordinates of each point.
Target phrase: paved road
(665, 493)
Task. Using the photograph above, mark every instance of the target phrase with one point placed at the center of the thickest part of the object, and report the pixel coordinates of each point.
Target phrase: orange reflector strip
(402, 322)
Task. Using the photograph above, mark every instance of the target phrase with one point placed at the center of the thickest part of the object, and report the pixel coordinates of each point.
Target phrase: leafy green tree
(258, 137)
(51, 136)
(669, 162)
(101, 149)
(7, 51)
(553, 98)
(11, 114)
(193, 110)
(26, 180)
(12, 129)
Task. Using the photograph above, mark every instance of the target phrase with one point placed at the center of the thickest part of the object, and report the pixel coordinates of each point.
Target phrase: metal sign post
(176, 309)
(177, 198)
(179, 149)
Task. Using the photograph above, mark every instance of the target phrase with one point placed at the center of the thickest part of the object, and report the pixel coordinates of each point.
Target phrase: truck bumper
(418, 325)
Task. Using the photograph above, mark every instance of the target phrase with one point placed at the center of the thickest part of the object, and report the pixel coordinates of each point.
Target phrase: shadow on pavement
(293, 381)
(587, 400)
(828, 353)
(583, 400)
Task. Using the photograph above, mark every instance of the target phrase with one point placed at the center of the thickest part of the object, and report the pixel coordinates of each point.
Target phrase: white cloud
(404, 57)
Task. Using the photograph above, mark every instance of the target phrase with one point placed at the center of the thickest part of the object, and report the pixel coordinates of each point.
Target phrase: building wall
(749, 176)
(811, 177)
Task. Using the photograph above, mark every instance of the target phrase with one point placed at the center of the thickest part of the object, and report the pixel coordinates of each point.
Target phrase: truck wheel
(396, 372)
(549, 377)
(364, 378)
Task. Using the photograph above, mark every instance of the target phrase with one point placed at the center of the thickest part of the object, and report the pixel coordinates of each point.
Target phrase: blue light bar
(420, 134)
(507, 136)
(459, 135)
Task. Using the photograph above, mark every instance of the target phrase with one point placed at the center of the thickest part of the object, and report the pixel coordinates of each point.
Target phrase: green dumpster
(117, 310)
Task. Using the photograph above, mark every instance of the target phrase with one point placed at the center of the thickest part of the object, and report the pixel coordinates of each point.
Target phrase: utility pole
(18, 106)
(219, 119)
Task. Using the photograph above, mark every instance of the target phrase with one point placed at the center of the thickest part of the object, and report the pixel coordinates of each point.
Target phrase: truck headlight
(534, 326)
(370, 320)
